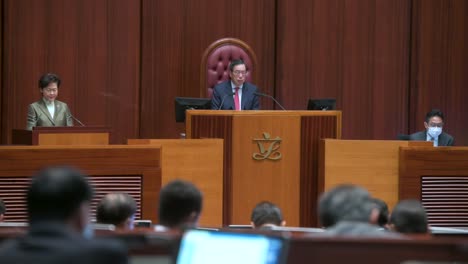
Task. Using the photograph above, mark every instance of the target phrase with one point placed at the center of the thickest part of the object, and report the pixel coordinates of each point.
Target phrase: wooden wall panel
(1, 68)
(174, 36)
(354, 51)
(387, 62)
(440, 64)
(94, 45)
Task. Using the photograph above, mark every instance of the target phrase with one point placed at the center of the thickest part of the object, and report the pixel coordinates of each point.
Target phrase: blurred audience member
(265, 215)
(409, 217)
(2, 210)
(117, 209)
(180, 205)
(58, 202)
(382, 207)
(347, 210)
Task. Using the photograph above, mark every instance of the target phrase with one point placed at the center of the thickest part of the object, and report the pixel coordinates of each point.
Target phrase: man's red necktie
(236, 99)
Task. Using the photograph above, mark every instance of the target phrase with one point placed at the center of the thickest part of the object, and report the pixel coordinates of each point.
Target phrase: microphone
(76, 119)
(269, 96)
(224, 98)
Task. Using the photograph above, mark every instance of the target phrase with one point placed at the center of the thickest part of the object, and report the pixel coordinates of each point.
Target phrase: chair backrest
(216, 59)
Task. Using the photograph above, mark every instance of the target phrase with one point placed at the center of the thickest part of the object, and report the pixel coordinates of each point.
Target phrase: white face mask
(434, 132)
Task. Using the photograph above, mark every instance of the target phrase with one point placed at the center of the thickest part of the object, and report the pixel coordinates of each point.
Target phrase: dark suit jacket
(358, 229)
(224, 91)
(52, 243)
(444, 138)
(38, 115)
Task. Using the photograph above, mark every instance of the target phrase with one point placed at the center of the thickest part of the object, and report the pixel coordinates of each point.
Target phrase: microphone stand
(271, 97)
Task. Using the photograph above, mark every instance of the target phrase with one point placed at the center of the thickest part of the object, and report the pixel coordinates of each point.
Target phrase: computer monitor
(187, 103)
(322, 104)
(209, 247)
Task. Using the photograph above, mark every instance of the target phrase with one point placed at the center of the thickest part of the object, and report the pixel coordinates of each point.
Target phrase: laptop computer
(206, 247)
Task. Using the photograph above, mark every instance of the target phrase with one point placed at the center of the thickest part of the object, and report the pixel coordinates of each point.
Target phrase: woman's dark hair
(47, 79)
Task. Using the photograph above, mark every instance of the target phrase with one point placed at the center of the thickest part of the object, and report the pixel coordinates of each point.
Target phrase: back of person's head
(47, 79)
(345, 203)
(409, 217)
(266, 213)
(180, 204)
(2, 210)
(434, 112)
(117, 209)
(58, 194)
(382, 207)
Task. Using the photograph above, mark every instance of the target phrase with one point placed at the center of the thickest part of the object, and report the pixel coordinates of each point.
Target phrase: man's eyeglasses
(436, 124)
(237, 73)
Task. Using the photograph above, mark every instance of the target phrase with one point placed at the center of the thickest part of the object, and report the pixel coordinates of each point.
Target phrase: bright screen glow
(202, 247)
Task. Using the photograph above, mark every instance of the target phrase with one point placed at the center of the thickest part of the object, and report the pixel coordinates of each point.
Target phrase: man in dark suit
(48, 111)
(434, 124)
(236, 93)
(58, 202)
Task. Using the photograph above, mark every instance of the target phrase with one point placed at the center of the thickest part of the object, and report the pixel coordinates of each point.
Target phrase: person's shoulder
(104, 250)
(222, 84)
(57, 102)
(447, 135)
(447, 139)
(36, 103)
(8, 247)
(357, 229)
(251, 85)
(420, 135)
(53, 249)
(109, 244)
(250, 88)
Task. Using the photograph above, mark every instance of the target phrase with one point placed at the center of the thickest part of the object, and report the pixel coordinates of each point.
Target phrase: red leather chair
(216, 59)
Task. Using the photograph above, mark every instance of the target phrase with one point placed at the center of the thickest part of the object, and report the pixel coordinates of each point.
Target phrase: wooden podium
(199, 161)
(268, 155)
(438, 177)
(61, 136)
(371, 164)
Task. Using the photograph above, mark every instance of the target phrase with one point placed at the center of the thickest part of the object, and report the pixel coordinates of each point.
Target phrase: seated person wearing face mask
(434, 124)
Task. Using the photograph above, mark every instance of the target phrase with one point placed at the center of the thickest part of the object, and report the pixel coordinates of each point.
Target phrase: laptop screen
(206, 247)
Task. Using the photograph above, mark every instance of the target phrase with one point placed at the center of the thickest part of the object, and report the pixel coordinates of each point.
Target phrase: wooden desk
(44, 136)
(268, 155)
(365, 250)
(199, 161)
(372, 164)
(307, 248)
(310, 249)
(112, 168)
(439, 178)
